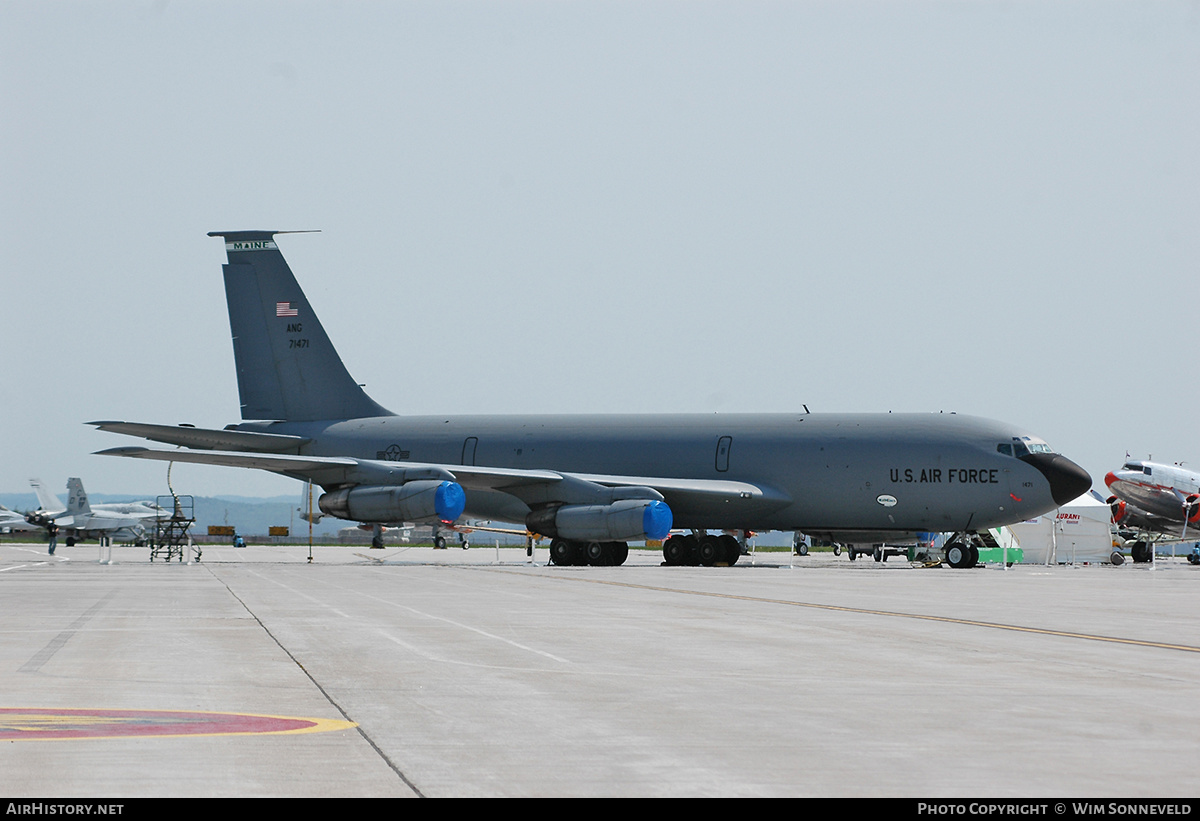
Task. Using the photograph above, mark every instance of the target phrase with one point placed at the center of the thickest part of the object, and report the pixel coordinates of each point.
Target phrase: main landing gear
(566, 552)
(706, 549)
(1142, 551)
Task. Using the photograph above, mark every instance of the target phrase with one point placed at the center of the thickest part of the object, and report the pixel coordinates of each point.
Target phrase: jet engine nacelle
(416, 501)
(626, 520)
(38, 519)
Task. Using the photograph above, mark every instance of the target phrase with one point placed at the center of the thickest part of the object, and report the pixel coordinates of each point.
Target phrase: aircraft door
(468, 451)
(724, 444)
(1017, 489)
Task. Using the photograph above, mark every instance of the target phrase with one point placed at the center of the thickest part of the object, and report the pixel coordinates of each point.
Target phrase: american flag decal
(285, 309)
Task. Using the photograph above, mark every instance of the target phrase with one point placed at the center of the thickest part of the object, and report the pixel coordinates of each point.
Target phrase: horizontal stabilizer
(207, 438)
(327, 471)
(274, 461)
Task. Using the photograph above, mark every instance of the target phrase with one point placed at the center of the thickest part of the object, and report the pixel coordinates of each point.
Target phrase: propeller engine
(1118, 509)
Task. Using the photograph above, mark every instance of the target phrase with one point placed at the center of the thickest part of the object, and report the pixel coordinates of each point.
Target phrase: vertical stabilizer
(47, 501)
(287, 369)
(77, 501)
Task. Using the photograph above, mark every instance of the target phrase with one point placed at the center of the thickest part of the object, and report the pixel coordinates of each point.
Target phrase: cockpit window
(1025, 445)
(1022, 446)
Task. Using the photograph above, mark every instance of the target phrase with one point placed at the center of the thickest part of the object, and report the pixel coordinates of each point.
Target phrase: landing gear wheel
(598, 554)
(877, 554)
(709, 551)
(837, 550)
(733, 550)
(439, 542)
(958, 555)
(675, 550)
(560, 552)
(1141, 552)
(692, 557)
(619, 552)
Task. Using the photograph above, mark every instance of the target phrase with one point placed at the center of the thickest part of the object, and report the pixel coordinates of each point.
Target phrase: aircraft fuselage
(819, 472)
(1156, 497)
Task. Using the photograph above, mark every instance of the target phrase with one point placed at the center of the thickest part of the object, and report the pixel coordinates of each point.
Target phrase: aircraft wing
(206, 438)
(533, 487)
(708, 488)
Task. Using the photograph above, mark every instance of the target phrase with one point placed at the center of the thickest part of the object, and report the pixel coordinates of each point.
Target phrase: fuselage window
(1005, 449)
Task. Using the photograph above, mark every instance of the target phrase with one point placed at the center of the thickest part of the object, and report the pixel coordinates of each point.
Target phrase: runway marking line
(1187, 648)
(56, 724)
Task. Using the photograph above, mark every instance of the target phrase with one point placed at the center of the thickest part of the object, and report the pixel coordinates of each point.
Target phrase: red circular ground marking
(24, 724)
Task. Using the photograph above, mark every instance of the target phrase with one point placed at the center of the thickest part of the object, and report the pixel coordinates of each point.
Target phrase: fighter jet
(1156, 499)
(11, 521)
(79, 520)
(593, 483)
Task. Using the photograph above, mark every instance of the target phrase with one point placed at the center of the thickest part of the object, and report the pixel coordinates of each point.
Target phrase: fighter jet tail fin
(47, 501)
(77, 501)
(287, 369)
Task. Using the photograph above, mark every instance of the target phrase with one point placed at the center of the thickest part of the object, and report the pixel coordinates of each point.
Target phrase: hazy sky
(574, 206)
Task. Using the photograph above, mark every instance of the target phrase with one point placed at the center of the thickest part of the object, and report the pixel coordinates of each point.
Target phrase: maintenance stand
(171, 539)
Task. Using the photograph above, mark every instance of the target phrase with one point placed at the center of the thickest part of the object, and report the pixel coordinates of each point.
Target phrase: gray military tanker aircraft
(593, 483)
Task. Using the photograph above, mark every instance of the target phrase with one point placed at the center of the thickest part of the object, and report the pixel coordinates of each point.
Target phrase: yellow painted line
(1186, 648)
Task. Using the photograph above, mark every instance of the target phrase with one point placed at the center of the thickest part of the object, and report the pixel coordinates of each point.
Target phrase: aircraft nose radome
(1110, 478)
(1067, 480)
